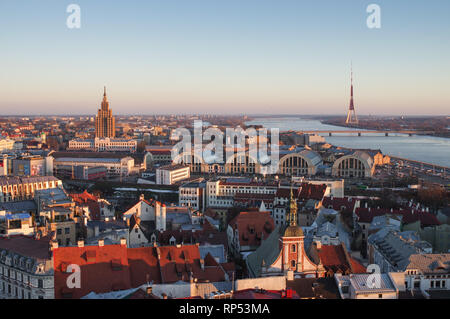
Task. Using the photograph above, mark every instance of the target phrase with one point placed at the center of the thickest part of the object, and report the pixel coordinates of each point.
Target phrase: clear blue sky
(224, 56)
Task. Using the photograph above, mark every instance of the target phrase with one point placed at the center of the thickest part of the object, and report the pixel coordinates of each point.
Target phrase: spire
(292, 210)
(351, 116)
(105, 103)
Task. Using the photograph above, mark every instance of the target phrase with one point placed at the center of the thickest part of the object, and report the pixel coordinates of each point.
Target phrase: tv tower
(351, 116)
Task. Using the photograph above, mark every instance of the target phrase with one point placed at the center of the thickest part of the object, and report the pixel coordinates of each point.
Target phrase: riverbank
(428, 149)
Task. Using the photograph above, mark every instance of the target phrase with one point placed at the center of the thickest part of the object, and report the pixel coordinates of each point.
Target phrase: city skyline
(225, 58)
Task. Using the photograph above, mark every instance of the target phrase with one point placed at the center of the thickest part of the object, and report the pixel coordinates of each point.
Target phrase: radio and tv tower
(351, 116)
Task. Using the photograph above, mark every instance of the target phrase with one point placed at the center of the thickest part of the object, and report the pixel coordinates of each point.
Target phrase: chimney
(318, 245)
(123, 242)
(54, 245)
(290, 275)
(81, 243)
(101, 243)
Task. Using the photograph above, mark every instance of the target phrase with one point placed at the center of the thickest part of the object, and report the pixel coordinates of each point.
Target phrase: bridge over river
(366, 132)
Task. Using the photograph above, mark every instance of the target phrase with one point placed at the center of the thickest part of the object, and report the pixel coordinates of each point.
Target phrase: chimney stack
(54, 245)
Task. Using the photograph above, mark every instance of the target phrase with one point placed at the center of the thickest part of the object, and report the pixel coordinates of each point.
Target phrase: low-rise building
(193, 195)
(120, 166)
(104, 145)
(391, 250)
(22, 188)
(26, 268)
(16, 224)
(428, 272)
(362, 286)
(171, 174)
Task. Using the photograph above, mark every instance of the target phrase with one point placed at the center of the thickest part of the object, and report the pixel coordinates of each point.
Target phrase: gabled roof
(253, 227)
(268, 252)
(335, 259)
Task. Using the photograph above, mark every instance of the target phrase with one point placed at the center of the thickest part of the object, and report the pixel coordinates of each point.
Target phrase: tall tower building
(105, 123)
(351, 116)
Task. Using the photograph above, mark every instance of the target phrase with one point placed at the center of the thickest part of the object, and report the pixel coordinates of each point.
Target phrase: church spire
(292, 210)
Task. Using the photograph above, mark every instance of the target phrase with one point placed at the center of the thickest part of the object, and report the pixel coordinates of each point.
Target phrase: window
(293, 248)
(59, 231)
(293, 263)
(380, 296)
(40, 283)
(67, 230)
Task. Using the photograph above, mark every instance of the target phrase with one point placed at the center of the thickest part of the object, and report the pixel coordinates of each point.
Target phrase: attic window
(91, 256)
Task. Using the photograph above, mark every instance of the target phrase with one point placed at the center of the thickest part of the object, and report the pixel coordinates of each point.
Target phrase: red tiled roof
(337, 203)
(83, 197)
(366, 215)
(116, 267)
(103, 269)
(312, 191)
(177, 263)
(305, 192)
(209, 234)
(253, 227)
(265, 294)
(245, 197)
(89, 200)
(27, 246)
(334, 258)
(143, 266)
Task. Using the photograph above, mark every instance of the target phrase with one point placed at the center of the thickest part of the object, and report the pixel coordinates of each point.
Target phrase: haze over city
(253, 57)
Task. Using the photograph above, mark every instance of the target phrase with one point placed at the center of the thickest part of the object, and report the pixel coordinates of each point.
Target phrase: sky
(225, 57)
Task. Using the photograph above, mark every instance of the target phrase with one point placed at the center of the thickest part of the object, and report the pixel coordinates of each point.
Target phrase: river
(427, 149)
